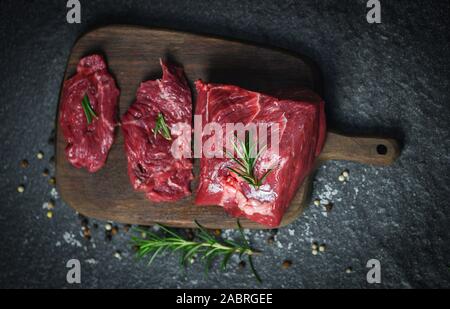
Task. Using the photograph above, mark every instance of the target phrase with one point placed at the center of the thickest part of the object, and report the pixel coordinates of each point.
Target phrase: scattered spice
(118, 255)
(114, 230)
(21, 188)
(344, 176)
(49, 214)
(40, 155)
(24, 163)
(50, 205)
(242, 264)
(86, 233)
(54, 194)
(315, 248)
(286, 264)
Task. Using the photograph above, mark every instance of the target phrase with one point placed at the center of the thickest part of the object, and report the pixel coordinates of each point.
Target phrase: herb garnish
(88, 111)
(207, 247)
(247, 158)
(162, 128)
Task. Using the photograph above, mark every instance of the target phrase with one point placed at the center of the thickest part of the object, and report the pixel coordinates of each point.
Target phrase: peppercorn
(86, 233)
(286, 264)
(114, 230)
(24, 163)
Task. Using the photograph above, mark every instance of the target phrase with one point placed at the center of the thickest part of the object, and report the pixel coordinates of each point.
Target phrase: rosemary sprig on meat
(246, 160)
(162, 128)
(87, 108)
(204, 246)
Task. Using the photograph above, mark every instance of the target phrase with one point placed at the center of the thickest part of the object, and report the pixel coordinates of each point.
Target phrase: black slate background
(391, 79)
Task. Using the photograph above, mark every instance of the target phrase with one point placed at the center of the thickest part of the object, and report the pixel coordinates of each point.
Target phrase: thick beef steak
(157, 132)
(301, 133)
(89, 140)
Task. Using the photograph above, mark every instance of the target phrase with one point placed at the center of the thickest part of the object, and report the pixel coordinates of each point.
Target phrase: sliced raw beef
(301, 125)
(88, 144)
(157, 161)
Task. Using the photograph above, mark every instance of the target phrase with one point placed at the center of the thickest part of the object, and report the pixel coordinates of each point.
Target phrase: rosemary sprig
(246, 160)
(207, 247)
(162, 128)
(88, 111)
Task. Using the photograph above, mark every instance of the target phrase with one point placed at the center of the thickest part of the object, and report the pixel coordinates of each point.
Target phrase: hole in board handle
(382, 149)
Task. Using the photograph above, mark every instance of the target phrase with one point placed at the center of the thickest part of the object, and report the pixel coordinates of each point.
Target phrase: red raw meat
(152, 168)
(88, 144)
(302, 132)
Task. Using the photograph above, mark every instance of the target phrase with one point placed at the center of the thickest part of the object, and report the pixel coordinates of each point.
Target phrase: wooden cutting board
(132, 54)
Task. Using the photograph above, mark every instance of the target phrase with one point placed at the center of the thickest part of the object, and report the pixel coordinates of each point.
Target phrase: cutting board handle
(368, 150)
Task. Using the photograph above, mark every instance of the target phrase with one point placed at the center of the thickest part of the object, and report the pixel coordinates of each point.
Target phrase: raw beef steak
(301, 131)
(88, 144)
(157, 132)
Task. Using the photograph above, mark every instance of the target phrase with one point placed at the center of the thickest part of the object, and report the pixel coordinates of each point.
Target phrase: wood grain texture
(132, 54)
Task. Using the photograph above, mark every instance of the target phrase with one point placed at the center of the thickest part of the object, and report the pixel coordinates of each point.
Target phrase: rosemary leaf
(250, 261)
(207, 247)
(162, 128)
(225, 260)
(246, 160)
(87, 108)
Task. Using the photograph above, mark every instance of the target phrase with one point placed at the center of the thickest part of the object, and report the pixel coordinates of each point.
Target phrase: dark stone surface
(390, 79)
